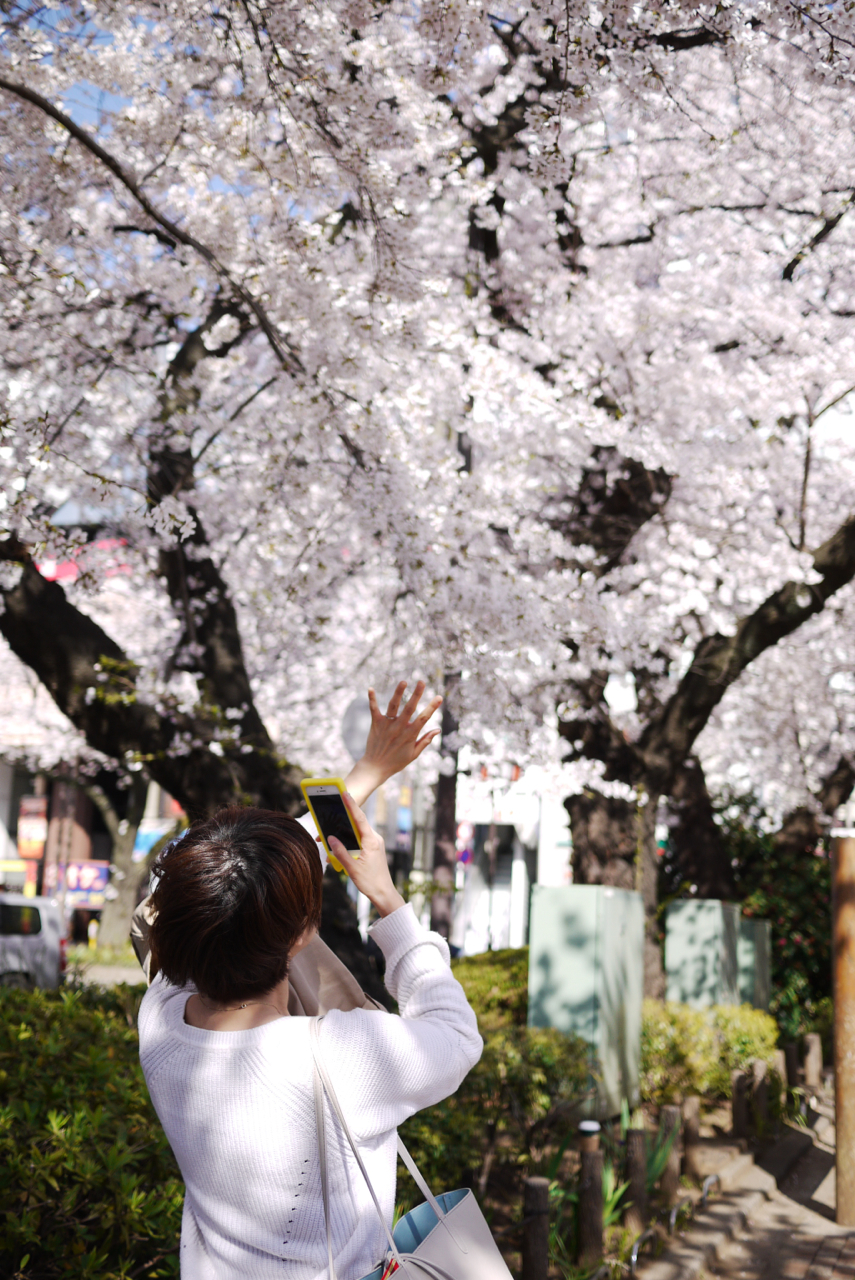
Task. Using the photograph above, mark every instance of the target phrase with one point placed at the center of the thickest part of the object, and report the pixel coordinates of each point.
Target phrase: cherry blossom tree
(489, 343)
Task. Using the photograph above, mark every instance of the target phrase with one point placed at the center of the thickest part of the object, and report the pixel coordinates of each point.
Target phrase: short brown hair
(232, 897)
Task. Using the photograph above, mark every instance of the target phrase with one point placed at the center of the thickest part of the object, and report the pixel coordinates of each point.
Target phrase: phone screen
(333, 819)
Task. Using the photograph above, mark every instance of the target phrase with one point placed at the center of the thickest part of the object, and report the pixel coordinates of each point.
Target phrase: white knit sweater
(237, 1108)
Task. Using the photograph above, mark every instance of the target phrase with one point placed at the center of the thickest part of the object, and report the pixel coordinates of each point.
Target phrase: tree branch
(92, 681)
(289, 361)
(824, 232)
(719, 660)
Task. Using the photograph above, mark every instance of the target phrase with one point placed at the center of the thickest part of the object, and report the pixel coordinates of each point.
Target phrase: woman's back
(237, 1107)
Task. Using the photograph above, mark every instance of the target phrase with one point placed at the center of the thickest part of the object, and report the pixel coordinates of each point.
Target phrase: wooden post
(843, 899)
(781, 1073)
(813, 1060)
(589, 1135)
(691, 1134)
(590, 1209)
(791, 1055)
(535, 1248)
(739, 1104)
(635, 1217)
(669, 1122)
(760, 1094)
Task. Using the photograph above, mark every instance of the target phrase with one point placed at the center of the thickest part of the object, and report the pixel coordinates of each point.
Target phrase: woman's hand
(393, 741)
(368, 869)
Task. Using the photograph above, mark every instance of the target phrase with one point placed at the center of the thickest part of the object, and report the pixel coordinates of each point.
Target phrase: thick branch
(837, 786)
(804, 827)
(719, 660)
(93, 682)
(615, 497)
(592, 734)
(679, 40)
(129, 182)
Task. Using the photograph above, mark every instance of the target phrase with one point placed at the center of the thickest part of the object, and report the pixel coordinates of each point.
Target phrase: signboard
(32, 826)
(85, 885)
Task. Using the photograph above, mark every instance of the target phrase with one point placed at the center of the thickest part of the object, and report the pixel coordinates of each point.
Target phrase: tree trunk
(124, 873)
(647, 883)
(605, 839)
(445, 837)
(697, 848)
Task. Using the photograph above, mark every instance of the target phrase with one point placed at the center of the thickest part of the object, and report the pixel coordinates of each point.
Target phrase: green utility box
(701, 941)
(586, 976)
(754, 957)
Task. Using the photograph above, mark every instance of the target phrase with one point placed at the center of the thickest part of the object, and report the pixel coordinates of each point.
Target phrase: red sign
(32, 826)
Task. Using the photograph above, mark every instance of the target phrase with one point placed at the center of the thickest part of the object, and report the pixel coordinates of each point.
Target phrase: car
(32, 942)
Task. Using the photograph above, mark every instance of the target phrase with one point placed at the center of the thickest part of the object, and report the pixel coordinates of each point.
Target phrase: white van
(32, 942)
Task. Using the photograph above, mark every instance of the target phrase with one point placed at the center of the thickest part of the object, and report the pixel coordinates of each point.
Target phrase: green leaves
(523, 1089)
(88, 1185)
(686, 1051)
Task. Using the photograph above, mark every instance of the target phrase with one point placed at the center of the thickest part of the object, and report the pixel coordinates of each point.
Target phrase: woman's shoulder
(161, 1003)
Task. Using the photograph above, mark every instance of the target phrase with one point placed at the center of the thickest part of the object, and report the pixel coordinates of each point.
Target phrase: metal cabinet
(754, 959)
(586, 976)
(701, 941)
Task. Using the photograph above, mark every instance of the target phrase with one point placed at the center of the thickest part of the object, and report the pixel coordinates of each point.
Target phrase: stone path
(794, 1236)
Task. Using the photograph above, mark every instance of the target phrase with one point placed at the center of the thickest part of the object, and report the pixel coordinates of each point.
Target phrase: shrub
(677, 1048)
(685, 1051)
(496, 985)
(88, 1184)
(525, 1088)
(742, 1033)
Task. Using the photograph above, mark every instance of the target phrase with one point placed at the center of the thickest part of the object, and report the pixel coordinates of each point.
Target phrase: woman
(229, 1068)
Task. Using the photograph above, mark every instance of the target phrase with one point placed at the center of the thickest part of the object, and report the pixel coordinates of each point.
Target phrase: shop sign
(32, 826)
(86, 885)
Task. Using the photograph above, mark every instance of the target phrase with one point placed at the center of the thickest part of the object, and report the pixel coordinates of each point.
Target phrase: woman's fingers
(395, 700)
(424, 741)
(342, 855)
(432, 706)
(415, 698)
(363, 826)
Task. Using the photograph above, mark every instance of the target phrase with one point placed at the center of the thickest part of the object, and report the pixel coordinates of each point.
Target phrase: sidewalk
(109, 975)
(793, 1235)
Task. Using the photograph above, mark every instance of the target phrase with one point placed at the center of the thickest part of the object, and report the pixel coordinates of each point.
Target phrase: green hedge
(524, 1090)
(88, 1184)
(693, 1051)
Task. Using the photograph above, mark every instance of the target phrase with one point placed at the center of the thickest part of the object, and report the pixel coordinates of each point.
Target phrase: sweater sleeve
(386, 1067)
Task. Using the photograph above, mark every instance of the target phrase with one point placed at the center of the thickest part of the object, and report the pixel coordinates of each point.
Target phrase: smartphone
(323, 796)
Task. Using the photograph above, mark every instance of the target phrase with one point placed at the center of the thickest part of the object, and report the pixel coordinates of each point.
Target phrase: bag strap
(324, 1084)
(322, 1078)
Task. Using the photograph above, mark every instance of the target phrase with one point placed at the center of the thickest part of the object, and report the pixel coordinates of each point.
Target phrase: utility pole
(843, 906)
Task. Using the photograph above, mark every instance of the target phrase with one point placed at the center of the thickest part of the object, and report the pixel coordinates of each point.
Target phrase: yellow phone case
(326, 782)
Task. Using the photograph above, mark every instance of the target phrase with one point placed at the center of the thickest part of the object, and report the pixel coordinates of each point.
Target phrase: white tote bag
(447, 1238)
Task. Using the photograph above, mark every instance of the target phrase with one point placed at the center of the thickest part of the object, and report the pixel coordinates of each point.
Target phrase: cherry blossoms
(511, 343)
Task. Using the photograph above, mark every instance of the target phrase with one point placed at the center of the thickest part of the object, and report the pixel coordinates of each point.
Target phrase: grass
(80, 953)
